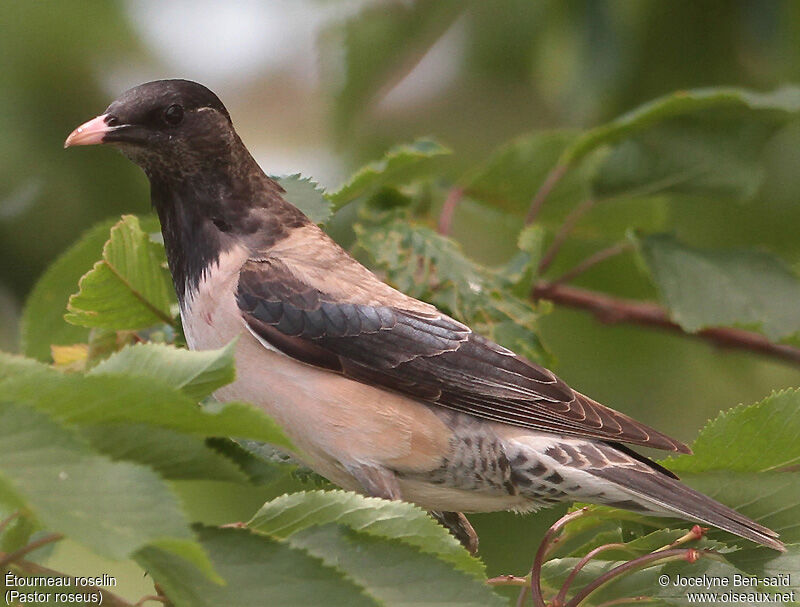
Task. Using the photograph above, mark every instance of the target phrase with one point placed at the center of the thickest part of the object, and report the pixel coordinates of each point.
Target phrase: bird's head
(160, 124)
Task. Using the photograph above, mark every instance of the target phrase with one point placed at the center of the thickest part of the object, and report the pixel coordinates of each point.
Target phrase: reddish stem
(688, 554)
(11, 557)
(563, 233)
(538, 561)
(448, 210)
(541, 195)
(591, 261)
(562, 594)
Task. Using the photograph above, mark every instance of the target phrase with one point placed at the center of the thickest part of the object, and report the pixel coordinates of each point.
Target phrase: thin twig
(541, 195)
(676, 554)
(626, 601)
(538, 561)
(151, 597)
(454, 196)
(593, 260)
(11, 557)
(563, 232)
(8, 520)
(612, 310)
(507, 580)
(562, 594)
(695, 533)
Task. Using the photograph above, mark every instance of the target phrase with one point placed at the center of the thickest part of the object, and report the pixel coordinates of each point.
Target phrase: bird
(379, 392)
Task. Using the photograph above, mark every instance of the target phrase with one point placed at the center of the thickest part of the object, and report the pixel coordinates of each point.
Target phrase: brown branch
(627, 601)
(612, 310)
(454, 196)
(550, 182)
(109, 598)
(151, 597)
(6, 559)
(593, 260)
(564, 232)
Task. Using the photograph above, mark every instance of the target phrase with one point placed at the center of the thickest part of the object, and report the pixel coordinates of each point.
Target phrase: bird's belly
(331, 417)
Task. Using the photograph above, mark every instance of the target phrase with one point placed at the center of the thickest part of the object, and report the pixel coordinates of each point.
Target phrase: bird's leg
(376, 481)
(382, 482)
(458, 525)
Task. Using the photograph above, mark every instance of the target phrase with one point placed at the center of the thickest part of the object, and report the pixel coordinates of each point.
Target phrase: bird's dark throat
(205, 213)
(192, 240)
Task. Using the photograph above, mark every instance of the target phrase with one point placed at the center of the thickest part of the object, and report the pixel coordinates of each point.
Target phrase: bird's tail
(547, 468)
(663, 495)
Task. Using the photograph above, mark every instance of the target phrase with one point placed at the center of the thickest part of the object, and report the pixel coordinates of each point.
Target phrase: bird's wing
(369, 332)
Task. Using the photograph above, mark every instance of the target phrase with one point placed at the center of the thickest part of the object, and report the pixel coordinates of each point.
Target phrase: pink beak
(89, 133)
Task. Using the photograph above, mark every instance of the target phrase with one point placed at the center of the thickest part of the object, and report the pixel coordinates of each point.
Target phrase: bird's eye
(112, 120)
(173, 115)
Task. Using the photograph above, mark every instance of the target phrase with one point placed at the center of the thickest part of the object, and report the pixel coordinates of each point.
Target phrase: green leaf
(114, 508)
(17, 534)
(105, 399)
(382, 44)
(196, 373)
(257, 570)
(643, 542)
(704, 288)
(12, 365)
(531, 240)
(42, 323)
(755, 438)
(514, 172)
(715, 156)
(172, 454)
(399, 165)
(662, 537)
(782, 101)
(764, 562)
(288, 514)
(129, 288)
(378, 564)
(259, 470)
(307, 196)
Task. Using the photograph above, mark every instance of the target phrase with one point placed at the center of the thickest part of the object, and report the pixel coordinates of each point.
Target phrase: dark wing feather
(426, 356)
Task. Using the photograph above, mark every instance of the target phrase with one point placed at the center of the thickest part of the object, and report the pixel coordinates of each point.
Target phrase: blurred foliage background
(320, 87)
